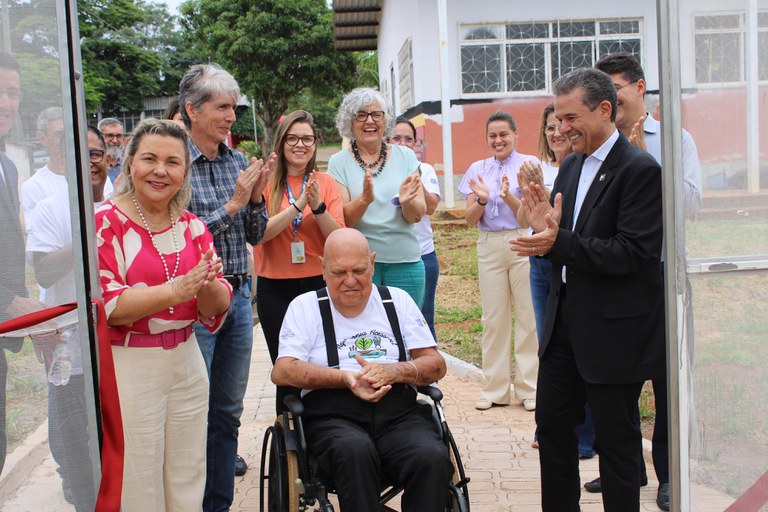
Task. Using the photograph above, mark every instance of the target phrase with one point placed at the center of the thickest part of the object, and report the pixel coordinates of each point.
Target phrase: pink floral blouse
(127, 259)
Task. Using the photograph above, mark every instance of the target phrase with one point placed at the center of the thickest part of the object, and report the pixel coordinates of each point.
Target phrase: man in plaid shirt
(227, 196)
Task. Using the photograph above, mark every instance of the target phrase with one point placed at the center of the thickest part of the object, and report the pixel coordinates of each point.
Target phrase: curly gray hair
(355, 101)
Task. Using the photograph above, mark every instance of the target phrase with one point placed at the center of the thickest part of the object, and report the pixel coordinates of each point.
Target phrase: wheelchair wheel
(456, 500)
(280, 481)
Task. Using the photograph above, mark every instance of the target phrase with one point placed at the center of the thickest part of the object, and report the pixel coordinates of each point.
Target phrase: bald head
(345, 240)
(348, 270)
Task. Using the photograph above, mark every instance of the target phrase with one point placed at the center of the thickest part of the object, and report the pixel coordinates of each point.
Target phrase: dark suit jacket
(11, 247)
(615, 307)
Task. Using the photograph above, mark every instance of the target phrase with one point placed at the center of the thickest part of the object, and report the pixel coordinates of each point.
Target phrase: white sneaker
(529, 404)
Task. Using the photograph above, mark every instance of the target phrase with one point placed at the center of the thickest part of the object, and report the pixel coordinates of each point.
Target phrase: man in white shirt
(361, 418)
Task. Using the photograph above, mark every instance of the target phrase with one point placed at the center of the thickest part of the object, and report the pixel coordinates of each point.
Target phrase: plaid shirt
(213, 184)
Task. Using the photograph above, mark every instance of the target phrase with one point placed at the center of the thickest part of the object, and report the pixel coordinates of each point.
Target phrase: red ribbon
(112, 448)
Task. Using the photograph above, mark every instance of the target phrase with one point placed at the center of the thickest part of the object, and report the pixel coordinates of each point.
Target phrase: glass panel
(481, 69)
(717, 22)
(726, 243)
(526, 67)
(619, 27)
(729, 435)
(762, 55)
(44, 389)
(567, 56)
(574, 29)
(718, 58)
(762, 19)
(527, 30)
(482, 32)
(621, 45)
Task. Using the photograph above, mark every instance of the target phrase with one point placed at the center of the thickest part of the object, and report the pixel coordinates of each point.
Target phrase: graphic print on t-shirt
(368, 344)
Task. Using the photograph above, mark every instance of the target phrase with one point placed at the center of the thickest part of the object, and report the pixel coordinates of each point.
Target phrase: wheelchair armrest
(432, 392)
(294, 405)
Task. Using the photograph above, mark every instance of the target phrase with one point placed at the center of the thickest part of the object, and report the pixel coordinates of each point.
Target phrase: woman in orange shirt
(304, 208)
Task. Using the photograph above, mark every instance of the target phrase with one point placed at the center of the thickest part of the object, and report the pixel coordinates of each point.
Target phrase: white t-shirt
(423, 227)
(48, 230)
(368, 334)
(44, 183)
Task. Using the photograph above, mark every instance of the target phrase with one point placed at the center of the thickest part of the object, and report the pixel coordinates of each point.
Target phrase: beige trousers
(504, 283)
(164, 404)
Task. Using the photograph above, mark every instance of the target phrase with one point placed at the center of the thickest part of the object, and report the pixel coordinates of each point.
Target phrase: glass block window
(527, 57)
(720, 51)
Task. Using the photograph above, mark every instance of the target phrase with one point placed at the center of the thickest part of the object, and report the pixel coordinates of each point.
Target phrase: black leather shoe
(662, 497)
(240, 466)
(597, 486)
(594, 486)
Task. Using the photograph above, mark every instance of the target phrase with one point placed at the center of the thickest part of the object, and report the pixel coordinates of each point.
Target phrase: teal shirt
(393, 239)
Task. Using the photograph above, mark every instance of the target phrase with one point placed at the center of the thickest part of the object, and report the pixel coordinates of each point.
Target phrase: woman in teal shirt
(381, 190)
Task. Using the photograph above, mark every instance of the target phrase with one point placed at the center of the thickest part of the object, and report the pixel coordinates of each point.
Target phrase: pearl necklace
(366, 166)
(168, 276)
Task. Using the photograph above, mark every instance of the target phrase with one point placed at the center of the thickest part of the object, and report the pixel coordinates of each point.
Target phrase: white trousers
(164, 404)
(504, 283)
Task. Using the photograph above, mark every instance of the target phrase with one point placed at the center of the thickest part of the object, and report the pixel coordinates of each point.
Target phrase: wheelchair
(287, 480)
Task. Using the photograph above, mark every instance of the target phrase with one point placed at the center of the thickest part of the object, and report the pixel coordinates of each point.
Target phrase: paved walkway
(495, 447)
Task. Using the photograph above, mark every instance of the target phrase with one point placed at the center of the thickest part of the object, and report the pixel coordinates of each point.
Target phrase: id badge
(297, 252)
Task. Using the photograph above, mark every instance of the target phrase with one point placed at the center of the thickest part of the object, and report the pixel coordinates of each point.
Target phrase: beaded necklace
(366, 166)
(168, 276)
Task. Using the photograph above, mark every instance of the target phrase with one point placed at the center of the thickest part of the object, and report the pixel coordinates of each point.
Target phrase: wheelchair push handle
(432, 392)
(294, 405)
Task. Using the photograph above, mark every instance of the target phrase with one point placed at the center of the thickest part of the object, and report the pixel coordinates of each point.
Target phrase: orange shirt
(272, 259)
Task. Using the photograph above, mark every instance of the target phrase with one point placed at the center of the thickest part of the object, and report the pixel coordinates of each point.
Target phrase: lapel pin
(602, 177)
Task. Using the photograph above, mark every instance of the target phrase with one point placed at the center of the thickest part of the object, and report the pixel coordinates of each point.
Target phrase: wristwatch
(320, 209)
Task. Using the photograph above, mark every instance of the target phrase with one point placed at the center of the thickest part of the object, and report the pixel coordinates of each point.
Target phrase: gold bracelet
(416, 379)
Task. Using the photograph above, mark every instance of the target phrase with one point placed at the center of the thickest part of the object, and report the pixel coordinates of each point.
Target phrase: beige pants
(504, 282)
(164, 404)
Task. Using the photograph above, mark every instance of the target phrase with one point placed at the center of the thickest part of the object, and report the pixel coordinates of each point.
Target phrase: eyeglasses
(96, 155)
(307, 140)
(376, 115)
(116, 136)
(397, 139)
(13, 94)
(620, 87)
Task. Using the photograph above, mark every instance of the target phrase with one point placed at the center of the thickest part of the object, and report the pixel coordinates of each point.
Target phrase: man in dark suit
(13, 292)
(604, 331)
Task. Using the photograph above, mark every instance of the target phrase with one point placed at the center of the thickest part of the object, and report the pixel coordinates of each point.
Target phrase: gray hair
(163, 127)
(355, 101)
(47, 115)
(109, 121)
(200, 83)
(595, 86)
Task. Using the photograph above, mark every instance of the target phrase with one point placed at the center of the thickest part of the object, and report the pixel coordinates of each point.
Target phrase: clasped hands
(311, 194)
(543, 219)
(198, 278)
(373, 381)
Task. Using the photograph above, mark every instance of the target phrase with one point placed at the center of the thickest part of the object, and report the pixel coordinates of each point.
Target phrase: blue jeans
(406, 276)
(227, 356)
(541, 272)
(432, 272)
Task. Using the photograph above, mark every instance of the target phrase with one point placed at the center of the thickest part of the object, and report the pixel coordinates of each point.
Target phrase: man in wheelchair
(362, 422)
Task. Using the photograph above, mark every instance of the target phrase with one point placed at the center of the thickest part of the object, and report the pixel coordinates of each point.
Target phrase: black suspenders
(330, 333)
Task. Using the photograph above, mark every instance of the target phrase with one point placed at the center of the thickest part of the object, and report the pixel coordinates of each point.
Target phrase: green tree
(277, 49)
(130, 49)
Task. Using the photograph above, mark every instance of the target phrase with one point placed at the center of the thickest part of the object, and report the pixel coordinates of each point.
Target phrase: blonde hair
(165, 128)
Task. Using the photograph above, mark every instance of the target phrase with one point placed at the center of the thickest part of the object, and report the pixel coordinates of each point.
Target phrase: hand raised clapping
(205, 272)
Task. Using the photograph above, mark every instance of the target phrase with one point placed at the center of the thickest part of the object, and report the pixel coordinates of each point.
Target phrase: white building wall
(418, 19)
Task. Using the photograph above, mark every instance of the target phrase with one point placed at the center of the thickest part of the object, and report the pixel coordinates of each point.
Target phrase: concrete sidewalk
(495, 447)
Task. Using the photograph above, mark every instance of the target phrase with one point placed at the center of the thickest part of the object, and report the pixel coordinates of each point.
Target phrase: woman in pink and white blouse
(159, 275)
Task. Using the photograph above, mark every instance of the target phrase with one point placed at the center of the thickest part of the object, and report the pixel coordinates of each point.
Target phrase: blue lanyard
(292, 200)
